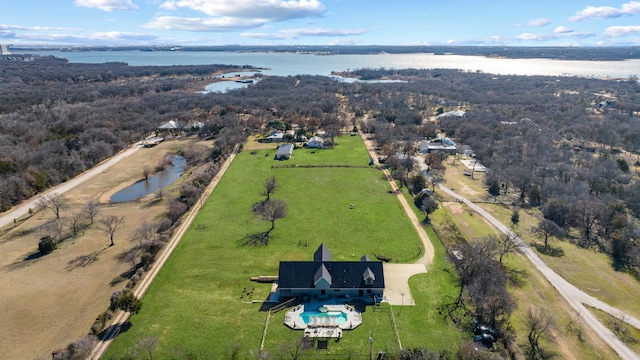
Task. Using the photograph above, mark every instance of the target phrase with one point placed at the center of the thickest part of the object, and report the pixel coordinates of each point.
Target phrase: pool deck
(323, 326)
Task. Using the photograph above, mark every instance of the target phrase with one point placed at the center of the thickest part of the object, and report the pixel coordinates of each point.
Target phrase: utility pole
(370, 344)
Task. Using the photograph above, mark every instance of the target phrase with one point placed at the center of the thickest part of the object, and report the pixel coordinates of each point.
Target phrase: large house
(324, 278)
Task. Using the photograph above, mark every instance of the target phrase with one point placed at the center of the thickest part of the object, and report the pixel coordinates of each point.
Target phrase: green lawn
(200, 305)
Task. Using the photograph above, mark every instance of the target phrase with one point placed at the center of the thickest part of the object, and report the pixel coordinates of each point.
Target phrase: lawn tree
(435, 178)
(507, 245)
(270, 186)
(539, 328)
(147, 345)
(91, 210)
(428, 206)
(270, 211)
(547, 229)
(54, 202)
(110, 224)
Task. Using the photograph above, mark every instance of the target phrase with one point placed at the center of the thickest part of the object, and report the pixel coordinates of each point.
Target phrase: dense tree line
(565, 145)
(519, 52)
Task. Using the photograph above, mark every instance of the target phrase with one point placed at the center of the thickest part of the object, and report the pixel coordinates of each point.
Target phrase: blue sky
(320, 22)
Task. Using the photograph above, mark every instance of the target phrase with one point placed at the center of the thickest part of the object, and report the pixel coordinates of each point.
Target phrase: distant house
(315, 142)
(284, 152)
(170, 125)
(456, 113)
(276, 136)
(440, 144)
(325, 278)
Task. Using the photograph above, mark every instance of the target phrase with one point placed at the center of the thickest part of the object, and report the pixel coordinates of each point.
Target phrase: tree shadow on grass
(28, 260)
(84, 260)
(123, 277)
(258, 239)
(549, 250)
(114, 330)
(516, 277)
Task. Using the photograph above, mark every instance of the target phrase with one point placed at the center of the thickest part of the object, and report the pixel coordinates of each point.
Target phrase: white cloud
(268, 10)
(98, 38)
(296, 33)
(606, 12)
(107, 5)
(203, 24)
(618, 31)
(539, 22)
(562, 30)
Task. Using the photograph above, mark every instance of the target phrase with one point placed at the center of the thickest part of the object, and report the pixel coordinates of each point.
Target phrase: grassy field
(203, 303)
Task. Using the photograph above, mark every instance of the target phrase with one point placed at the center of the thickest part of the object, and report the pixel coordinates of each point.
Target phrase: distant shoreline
(617, 53)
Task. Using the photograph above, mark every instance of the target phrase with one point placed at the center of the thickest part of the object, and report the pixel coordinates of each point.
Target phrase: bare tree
(546, 229)
(146, 171)
(506, 245)
(76, 222)
(54, 202)
(91, 210)
(54, 230)
(145, 234)
(147, 345)
(270, 211)
(539, 327)
(110, 224)
(270, 187)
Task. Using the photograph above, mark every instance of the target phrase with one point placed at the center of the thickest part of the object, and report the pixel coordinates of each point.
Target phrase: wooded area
(567, 145)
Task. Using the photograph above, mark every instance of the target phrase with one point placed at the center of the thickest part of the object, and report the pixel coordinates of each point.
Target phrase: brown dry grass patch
(49, 301)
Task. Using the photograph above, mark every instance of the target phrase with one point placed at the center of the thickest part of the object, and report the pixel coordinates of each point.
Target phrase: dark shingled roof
(322, 254)
(344, 274)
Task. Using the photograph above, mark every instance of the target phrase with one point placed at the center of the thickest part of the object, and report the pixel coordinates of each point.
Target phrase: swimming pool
(337, 317)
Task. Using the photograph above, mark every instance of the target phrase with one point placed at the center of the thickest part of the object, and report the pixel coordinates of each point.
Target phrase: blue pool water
(340, 317)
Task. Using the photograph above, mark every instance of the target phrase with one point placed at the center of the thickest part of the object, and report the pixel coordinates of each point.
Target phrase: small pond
(154, 183)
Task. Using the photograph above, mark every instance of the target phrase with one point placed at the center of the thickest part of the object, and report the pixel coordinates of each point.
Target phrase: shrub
(47, 244)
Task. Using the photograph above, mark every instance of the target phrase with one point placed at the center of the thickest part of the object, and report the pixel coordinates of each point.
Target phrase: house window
(369, 291)
(323, 292)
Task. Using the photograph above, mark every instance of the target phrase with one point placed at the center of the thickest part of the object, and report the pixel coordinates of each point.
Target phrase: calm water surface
(154, 183)
(289, 64)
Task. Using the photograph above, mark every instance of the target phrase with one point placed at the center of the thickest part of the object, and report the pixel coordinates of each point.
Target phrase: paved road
(23, 209)
(574, 296)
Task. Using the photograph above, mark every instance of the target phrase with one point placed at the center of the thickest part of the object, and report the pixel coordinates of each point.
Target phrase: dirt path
(574, 296)
(397, 290)
(23, 209)
(122, 317)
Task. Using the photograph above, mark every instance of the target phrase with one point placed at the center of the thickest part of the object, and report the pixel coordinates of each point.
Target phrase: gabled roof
(322, 274)
(365, 258)
(368, 276)
(169, 125)
(458, 113)
(344, 274)
(322, 254)
(285, 149)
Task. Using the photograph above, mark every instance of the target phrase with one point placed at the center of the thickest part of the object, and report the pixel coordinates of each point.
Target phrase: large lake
(285, 64)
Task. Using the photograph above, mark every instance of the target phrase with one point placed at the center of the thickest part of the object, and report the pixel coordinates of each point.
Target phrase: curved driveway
(574, 296)
(396, 276)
